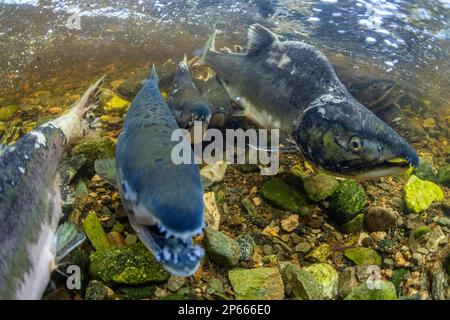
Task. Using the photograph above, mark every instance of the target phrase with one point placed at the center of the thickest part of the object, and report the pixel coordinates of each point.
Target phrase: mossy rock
(6, 113)
(319, 254)
(425, 170)
(384, 291)
(348, 200)
(300, 284)
(94, 231)
(354, 225)
(443, 176)
(3, 129)
(257, 284)
(320, 187)
(419, 194)
(116, 105)
(421, 231)
(283, 196)
(93, 149)
(363, 256)
(397, 278)
(175, 297)
(327, 277)
(130, 265)
(137, 293)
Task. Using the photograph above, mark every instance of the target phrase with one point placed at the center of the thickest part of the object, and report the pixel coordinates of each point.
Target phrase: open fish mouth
(176, 252)
(387, 168)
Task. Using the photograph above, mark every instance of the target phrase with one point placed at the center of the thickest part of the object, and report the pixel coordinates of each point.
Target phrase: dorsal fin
(259, 38)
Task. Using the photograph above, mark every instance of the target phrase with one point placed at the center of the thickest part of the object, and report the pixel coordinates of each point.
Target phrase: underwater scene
(225, 150)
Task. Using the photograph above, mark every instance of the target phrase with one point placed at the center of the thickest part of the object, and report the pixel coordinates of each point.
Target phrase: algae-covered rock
(283, 196)
(443, 176)
(94, 231)
(3, 129)
(257, 284)
(326, 277)
(130, 86)
(419, 194)
(93, 149)
(6, 113)
(116, 105)
(421, 231)
(354, 225)
(384, 290)
(299, 172)
(130, 265)
(221, 249)
(397, 278)
(320, 187)
(97, 291)
(175, 297)
(363, 256)
(246, 247)
(348, 200)
(300, 284)
(425, 170)
(319, 254)
(137, 293)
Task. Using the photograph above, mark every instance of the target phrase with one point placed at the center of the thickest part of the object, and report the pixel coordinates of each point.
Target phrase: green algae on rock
(443, 176)
(96, 290)
(299, 172)
(320, 187)
(116, 105)
(93, 149)
(257, 284)
(300, 284)
(94, 231)
(3, 129)
(425, 170)
(6, 113)
(221, 249)
(130, 265)
(421, 231)
(327, 278)
(354, 225)
(283, 195)
(137, 293)
(383, 290)
(319, 254)
(348, 200)
(363, 256)
(419, 194)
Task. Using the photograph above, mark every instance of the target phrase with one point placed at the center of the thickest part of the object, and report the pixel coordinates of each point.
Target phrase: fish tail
(209, 46)
(68, 238)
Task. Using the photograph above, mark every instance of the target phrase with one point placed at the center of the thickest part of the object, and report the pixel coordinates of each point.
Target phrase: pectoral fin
(68, 238)
(106, 169)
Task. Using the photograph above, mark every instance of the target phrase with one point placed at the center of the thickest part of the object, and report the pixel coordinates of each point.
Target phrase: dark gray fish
(186, 102)
(30, 203)
(164, 201)
(292, 86)
(218, 101)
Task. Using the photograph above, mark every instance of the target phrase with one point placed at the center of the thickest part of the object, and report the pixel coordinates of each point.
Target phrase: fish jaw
(345, 138)
(175, 251)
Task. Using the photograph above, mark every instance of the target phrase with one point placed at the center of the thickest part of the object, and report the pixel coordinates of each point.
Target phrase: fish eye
(355, 144)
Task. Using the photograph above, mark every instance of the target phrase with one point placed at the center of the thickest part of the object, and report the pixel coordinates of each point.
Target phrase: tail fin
(154, 74)
(209, 46)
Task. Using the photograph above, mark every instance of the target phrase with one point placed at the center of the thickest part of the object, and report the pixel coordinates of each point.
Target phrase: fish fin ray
(154, 74)
(106, 169)
(259, 38)
(209, 46)
(68, 238)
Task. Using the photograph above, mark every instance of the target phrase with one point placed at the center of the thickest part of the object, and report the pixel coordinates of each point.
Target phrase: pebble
(399, 260)
(444, 222)
(290, 223)
(246, 247)
(257, 284)
(303, 247)
(96, 290)
(131, 239)
(347, 282)
(435, 239)
(379, 219)
(221, 249)
(319, 254)
(267, 250)
(212, 214)
(116, 239)
(175, 283)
